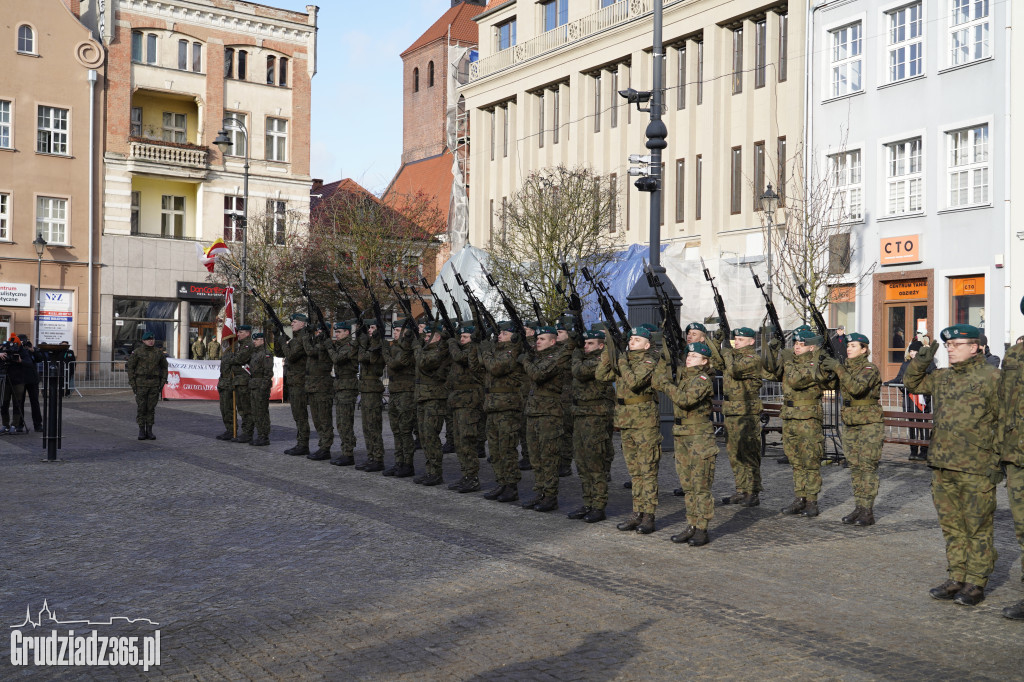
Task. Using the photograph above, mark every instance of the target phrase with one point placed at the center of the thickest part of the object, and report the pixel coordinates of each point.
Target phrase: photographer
(19, 364)
(32, 383)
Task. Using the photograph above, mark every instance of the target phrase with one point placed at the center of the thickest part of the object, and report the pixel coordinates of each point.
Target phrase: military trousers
(299, 403)
(345, 415)
(227, 410)
(430, 415)
(743, 443)
(591, 438)
(402, 419)
(467, 422)
(1015, 491)
(803, 442)
(244, 408)
(259, 401)
(862, 447)
(320, 403)
(544, 435)
(695, 457)
(641, 448)
(502, 438)
(966, 505)
(567, 444)
(371, 408)
(146, 398)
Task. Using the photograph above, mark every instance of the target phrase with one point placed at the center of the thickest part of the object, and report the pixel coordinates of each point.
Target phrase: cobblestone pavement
(261, 566)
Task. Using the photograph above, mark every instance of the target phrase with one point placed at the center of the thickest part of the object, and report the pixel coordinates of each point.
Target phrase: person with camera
(19, 363)
(32, 383)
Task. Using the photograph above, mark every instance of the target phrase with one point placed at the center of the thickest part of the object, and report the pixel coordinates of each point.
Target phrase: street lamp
(40, 245)
(224, 142)
(769, 204)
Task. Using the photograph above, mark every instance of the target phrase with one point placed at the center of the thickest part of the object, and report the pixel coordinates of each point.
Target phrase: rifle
(773, 315)
(723, 321)
(312, 307)
(271, 315)
(606, 309)
(575, 303)
(445, 320)
(455, 304)
(403, 302)
(426, 309)
(674, 337)
(510, 308)
(356, 310)
(819, 322)
(619, 312)
(479, 309)
(376, 306)
(536, 306)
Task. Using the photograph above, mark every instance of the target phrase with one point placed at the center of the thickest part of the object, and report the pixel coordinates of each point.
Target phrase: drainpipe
(92, 209)
(1008, 264)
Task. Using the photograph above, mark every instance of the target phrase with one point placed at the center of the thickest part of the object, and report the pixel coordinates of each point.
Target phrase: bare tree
(559, 215)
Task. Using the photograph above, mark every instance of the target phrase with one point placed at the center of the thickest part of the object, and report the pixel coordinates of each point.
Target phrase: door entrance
(902, 321)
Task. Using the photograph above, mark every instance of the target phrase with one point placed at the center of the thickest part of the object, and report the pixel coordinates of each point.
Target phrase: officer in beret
(592, 403)
(239, 362)
(147, 374)
(504, 407)
(295, 380)
(466, 402)
(963, 457)
(213, 346)
(344, 353)
(401, 362)
(432, 365)
(696, 333)
(371, 394)
(261, 377)
(1011, 421)
(199, 348)
(320, 390)
(226, 389)
(860, 383)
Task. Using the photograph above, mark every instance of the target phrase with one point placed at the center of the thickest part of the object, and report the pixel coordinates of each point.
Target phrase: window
(680, 190)
(968, 31)
(52, 219)
(505, 113)
(136, 125)
(183, 55)
(556, 13)
(26, 39)
(556, 97)
(758, 171)
(597, 102)
(229, 62)
(968, 166)
(700, 186)
(904, 182)
(760, 52)
(175, 127)
(277, 219)
(783, 46)
(172, 216)
(136, 212)
(608, 3)
(277, 139)
(282, 70)
(5, 124)
(737, 60)
(52, 131)
(846, 60)
(613, 201)
(416, 80)
(5, 217)
(243, 60)
(614, 110)
(681, 77)
(906, 46)
(430, 74)
(506, 34)
(137, 38)
(847, 202)
(494, 131)
(700, 72)
(967, 301)
(151, 48)
(735, 180)
(540, 119)
(782, 179)
(235, 133)
(134, 317)
(197, 57)
(271, 69)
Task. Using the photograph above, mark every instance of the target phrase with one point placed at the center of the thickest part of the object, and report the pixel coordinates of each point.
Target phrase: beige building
(544, 92)
(177, 70)
(51, 87)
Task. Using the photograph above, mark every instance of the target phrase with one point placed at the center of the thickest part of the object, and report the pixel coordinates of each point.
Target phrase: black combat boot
(405, 471)
(419, 479)
(300, 450)
(320, 455)
(149, 432)
(632, 523)
(362, 465)
(547, 503)
(594, 515)
(494, 493)
(432, 480)
(796, 506)
(532, 502)
(470, 484)
(700, 538)
(1015, 612)
(646, 526)
(969, 595)
(224, 436)
(455, 486)
(852, 517)
(260, 440)
(579, 513)
(684, 537)
(343, 461)
(242, 438)
(510, 494)
(142, 433)
(810, 509)
(947, 590)
(735, 498)
(753, 500)
(390, 471)
(373, 467)
(866, 518)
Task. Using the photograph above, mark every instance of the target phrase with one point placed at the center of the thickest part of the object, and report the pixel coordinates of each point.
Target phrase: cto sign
(896, 250)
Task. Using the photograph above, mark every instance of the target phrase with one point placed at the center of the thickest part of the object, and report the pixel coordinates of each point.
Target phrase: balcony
(168, 159)
(567, 34)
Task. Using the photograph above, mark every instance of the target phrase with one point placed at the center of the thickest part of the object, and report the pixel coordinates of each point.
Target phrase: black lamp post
(769, 203)
(224, 142)
(40, 245)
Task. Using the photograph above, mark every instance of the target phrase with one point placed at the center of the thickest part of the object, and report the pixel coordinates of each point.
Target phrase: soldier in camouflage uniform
(295, 378)
(803, 439)
(213, 348)
(240, 381)
(198, 348)
(320, 391)
(566, 443)
(401, 362)
(1011, 420)
(963, 457)
(860, 383)
(261, 368)
(432, 362)
(546, 370)
(147, 374)
(636, 417)
(504, 406)
(741, 410)
(524, 442)
(371, 396)
(344, 352)
(466, 401)
(592, 405)
(691, 393)
(226, 390)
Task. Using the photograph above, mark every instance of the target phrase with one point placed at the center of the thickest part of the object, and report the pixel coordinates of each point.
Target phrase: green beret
(807, 336)
(559, 326)
(400, 320)
(546, 330)
(531, 324)
(699, 347)
(245, 327)
(506, 326)
(650, 327)
(257, 335)
(696, 325)
(960, 331)
(466, 329)
(858, 337)
(801, 328)
(300, 317)
(593, 334)
(343, 325)
(643, 332)
(146, 336)
(744, 331)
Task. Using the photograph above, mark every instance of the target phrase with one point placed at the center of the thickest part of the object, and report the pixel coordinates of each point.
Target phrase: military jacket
(965, 407)
(860, 383)
(147, 367)
(198, 349)
(803, 384)
(691, 395)
(295, 359)
(213, 350)
(371, 364)
(401, 362)
(636, 401)
(225, 380)
(467, 390)
(546, 369)
(506, 375)
(318, 364)
(590, 395)
(432, 363)
(1011, 406)
(240, 360)
(344, 355)
(261, 368)
(741, 380)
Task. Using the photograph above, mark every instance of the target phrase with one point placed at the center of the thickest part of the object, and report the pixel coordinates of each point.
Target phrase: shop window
(967, 301)
(842, 306)
(134, 316)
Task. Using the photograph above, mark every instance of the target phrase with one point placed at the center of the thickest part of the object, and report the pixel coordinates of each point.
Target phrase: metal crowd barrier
(97, 375)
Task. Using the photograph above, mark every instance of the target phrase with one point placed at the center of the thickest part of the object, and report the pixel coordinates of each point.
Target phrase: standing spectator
(989, 358)
(32, 383)
(17, 359)
(915, 403)
(839, 342)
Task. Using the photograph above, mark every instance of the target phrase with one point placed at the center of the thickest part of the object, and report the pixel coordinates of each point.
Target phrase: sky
(357, 90)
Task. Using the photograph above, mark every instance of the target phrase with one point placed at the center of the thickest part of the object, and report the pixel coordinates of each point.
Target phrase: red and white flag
(208, 256)
(919, 400)
(229, 313)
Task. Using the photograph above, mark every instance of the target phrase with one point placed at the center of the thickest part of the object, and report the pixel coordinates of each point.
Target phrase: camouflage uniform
(546, 370)
(565, 446)
(147, 374)
(693, 435)
(240, 385)
(261, 366)
(741, 411)
(319, 388)
(432, 362)
(371, 396)
(401, 362)
(860, 383)
(592, 407)
(198, 349)
(226, 392)
(213, 349)
(504, 407)
(963, 458)
(466, 401)
(636, 417)
(344, 355)
(1011, 420)
(295, 375)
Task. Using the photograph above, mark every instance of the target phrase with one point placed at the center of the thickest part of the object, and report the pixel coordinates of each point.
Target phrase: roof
(495, 5)
(430, 178)
(338, 187)
(459, 19)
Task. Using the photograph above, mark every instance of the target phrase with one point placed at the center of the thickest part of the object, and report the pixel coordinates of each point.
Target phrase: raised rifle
(575, 303)
(376, 306)
(356, 310)
(536, 306)
(271, 315)
(619, 312)
(606, 310)
(403, 302)
(819, 323)
(480, 311)
(426, 308)
(510, 308)
(723, 321)
(773, 315)
(312, 307)
(455, 304)
(449, 326)
(669, 322)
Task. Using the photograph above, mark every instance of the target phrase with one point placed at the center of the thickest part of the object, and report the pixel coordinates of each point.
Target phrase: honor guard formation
(557, 390)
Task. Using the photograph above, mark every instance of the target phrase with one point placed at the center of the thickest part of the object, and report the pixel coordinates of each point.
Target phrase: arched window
(415, 80)
(271, 69)
(26, 39)
(242, 62)
(430, 75)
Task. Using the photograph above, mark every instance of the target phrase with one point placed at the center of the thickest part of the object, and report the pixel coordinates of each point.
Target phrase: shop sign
(842, 294)
(907, 290)
(968, 286)
(896, 250)
(15, 295)
(200, 291)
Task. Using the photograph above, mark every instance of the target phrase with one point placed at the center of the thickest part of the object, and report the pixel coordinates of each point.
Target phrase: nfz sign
(897, 250)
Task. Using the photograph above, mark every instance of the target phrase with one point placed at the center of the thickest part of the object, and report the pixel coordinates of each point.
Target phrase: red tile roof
(459, 19)
(495, 3)
(430, 178)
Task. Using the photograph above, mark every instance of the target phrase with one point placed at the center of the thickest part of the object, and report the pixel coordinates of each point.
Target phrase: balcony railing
(567, 34)
(169, 153)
